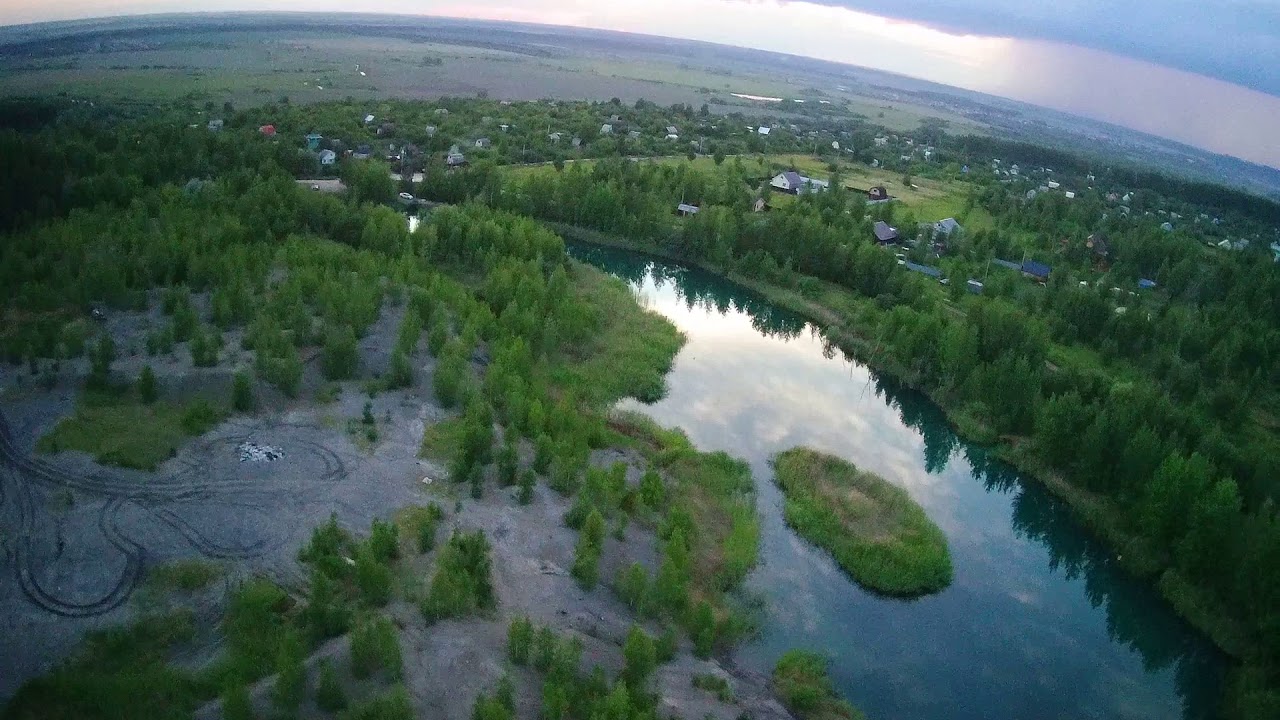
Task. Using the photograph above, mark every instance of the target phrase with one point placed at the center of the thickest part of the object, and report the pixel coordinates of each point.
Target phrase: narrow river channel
(1040, 622)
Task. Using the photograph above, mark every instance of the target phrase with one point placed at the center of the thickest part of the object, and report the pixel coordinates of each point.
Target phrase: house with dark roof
(1036, 270)
(313, 141)
(215, 125)
(362, 152)
(946, 227)
(794, 183)
(878, 194)
(1146, 284)
(885, 234)
(1007, 264)
(788, 182)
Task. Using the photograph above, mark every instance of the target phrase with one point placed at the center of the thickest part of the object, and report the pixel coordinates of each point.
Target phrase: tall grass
(800, 679)
(629, 356)
(872, 528)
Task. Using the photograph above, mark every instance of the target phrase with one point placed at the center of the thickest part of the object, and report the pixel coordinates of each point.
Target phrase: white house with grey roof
(794, 183)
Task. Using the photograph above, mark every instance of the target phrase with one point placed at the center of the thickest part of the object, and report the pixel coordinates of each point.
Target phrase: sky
(1203, 73)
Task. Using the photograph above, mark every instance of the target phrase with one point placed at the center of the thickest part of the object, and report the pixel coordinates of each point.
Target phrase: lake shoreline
(1095, 514)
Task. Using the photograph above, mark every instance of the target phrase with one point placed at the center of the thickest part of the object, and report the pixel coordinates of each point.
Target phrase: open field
(317, 62)
(928, 199)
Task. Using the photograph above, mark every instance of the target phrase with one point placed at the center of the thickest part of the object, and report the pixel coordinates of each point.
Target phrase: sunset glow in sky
(1176, 104)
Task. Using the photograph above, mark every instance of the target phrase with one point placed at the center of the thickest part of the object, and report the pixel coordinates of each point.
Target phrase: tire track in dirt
(19, 473)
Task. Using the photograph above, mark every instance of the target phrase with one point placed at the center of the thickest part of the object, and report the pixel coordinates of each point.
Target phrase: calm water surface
(1040, 622)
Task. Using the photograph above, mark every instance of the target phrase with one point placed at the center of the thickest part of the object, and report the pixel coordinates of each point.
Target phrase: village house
(328, 157)
(431, 130)
(215, 126)
(672, 137)
(885, 233)
(455, 158)
(267, 130)
(762, 130)
(313, 141)
(606, 129)
(483, 142)
(794, 183)
(672, 130)
(362, 152)
(386, 129)
(946, 227)
(878, 194)
(554, 137)
(634, 135)
(685, 209)
(576, 142)
(1036, 270)
(881, 141)
(368, 119)
(760, 205)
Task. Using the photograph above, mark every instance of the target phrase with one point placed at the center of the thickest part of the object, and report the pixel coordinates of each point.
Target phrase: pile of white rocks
(253, 452)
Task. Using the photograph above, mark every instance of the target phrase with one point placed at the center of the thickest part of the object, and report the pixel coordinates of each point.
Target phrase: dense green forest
(1154, 411)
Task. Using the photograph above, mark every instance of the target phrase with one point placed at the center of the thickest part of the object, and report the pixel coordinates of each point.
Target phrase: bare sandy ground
(79, 538)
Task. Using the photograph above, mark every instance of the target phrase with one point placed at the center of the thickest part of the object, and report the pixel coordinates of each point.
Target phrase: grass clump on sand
(118, 429)
(183, 575)
(872, 528)
(120, 673)
(800, 679)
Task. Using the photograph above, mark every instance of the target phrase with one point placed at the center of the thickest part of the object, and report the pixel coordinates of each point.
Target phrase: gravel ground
(79, 538)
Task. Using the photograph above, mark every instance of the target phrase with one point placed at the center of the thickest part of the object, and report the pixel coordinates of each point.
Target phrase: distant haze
(938, 43)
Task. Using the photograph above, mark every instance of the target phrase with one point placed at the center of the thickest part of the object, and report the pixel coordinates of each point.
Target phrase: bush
(800, 679)
(384, 541)
(392, 706)
(652, 491)
(401, 373)
(527, 483)
(640, 657)
(450, 376)
(425, 522)
(236, 704)
(199, 416)
(586, 556)
(325, 615)
(632, 586)
(702, 628)
(340, 359)
(520, 640)
(508, 461)
(461, 584)
(715, 684)
(375, 647)
(147, 390)
(373, 578)
(330, 696)
(242, 397)
(290, 685)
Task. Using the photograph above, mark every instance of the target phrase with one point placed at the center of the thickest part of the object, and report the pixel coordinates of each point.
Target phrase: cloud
(1233, 40)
